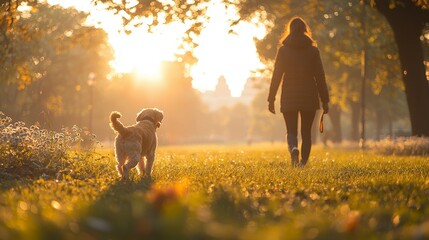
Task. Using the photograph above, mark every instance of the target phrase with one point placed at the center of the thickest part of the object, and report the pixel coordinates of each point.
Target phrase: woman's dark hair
(296, 26)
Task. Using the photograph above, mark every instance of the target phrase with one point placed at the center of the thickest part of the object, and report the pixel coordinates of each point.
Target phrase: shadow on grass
(10, 180)
(135, 210)
(113, 214)
(77, 166)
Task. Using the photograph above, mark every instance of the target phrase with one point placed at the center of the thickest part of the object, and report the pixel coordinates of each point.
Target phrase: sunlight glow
(220, 51)
(143, 52)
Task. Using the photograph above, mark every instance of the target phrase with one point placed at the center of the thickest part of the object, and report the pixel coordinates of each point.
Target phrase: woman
(299, 66)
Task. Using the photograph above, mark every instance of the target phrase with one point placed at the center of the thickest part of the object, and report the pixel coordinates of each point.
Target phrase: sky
(219, 52)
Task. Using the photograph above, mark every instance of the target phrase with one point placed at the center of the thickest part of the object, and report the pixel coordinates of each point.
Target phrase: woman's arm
(319, 76)
(277, 76)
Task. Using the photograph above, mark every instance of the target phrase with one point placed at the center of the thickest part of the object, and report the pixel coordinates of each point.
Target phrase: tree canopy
(35, 47)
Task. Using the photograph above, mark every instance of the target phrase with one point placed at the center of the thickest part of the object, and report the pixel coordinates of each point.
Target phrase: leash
(321, 124)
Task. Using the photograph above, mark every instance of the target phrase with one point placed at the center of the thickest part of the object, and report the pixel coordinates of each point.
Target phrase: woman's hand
(325, 107)
(271, 107)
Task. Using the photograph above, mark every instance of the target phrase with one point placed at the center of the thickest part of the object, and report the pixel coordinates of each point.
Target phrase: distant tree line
(54, 72)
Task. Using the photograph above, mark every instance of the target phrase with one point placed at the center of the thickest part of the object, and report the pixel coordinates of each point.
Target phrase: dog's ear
(158, 116)
(140, 115)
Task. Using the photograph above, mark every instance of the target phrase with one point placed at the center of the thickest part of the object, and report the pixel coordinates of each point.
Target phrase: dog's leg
(149, 164)
(120, 159)
(120, 168)
(132, 162)
(141, 167)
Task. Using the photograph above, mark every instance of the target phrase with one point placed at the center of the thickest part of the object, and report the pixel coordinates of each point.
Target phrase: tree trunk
(335, 117)
(379, 123)
(407, 23)
(390, 127)
(354, 130)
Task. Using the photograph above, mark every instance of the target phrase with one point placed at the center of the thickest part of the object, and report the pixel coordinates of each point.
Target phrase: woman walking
(299, 66)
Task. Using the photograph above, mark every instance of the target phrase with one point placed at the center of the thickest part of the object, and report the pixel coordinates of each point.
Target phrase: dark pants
(291, 120)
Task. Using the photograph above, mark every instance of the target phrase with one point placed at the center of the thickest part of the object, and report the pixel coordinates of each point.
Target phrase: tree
(408, 20)
(150, 13)
(172, 93)
(53, 54)
(54, 57)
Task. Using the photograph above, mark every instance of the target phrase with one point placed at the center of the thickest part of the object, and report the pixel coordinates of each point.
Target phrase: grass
(224, 192)
(407, 146)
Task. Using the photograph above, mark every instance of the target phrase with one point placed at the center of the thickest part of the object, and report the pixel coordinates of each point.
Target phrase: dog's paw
(123, 179)
(148, 180)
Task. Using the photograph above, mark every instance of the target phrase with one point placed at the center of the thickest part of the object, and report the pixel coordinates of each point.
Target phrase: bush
(405, 146)
(31, 151)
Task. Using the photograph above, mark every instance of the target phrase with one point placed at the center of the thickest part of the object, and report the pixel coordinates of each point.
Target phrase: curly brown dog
(134, 143)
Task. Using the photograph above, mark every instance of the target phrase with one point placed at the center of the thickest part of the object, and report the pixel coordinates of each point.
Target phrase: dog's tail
(116, 124)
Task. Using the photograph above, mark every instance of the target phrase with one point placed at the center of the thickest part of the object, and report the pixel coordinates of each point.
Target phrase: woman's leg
(291, 121)
(307, 118)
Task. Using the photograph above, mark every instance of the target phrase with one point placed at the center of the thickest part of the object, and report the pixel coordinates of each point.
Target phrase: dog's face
(153, 113)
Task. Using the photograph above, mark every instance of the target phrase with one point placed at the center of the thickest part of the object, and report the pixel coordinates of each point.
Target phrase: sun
(142, 53)
(219, 52)
(132, 56)
(149, 70)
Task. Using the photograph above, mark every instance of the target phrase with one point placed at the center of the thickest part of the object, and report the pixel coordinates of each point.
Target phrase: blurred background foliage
(55, 71)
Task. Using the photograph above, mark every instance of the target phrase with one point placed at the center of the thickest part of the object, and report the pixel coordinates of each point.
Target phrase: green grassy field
(231, 192)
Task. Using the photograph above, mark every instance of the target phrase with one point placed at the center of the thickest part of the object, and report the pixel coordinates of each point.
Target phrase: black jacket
(299, 65)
